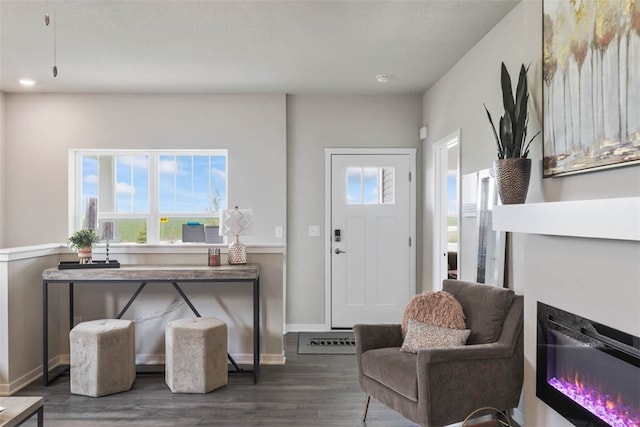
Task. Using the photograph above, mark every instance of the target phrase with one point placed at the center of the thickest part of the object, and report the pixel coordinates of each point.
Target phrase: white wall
(313, 124)
(41, 128)
(456, 102)
(598, 279)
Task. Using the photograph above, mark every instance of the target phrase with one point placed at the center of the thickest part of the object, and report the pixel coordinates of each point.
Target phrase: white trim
(26, 252)
(440, 168)
(301, 327)
(328, 153)
(14, 386)
(518, 416)
(617, 219)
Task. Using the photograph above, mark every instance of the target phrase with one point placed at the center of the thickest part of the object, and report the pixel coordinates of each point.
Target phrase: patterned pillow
(421, 336)
(437, 308)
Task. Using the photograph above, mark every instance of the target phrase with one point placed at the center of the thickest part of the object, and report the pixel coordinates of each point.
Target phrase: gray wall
(313, 124)
(598, 279)
(276, 159)
(41, 128)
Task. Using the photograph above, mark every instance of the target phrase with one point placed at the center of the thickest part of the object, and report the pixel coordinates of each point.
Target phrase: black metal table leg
(186, 299)
(71, 307)
(41, 416)
(45, 333)
(256, 329)
(133, 297)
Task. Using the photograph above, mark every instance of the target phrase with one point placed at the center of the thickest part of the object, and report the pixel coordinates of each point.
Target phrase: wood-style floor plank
(309, 391)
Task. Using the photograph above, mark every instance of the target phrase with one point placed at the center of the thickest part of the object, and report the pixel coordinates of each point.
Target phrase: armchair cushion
(421, 336)
(436, 308)
(485, 308)
(393, 369)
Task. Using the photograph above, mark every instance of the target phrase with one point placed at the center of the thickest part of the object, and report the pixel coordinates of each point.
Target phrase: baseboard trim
(15, 386)
(518, 416)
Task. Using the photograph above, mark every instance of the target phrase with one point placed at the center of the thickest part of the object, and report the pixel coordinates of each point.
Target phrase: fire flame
(613, 411)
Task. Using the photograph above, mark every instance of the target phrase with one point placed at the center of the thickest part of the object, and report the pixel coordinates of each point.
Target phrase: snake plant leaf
(526, 150)
(507, 94)
(521, 114)
(511, 133)
(506, 135)
(495, 134)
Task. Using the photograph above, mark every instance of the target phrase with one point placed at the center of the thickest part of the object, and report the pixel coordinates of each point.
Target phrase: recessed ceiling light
(27, 82)
(383, 78)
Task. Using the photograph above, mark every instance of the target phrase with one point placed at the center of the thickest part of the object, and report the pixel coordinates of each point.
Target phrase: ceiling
(188, 46)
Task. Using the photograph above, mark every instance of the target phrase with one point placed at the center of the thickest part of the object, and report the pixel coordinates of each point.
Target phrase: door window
(370, 185)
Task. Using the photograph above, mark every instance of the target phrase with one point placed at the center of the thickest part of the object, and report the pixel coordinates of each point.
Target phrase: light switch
(314, 231)
(279, 232)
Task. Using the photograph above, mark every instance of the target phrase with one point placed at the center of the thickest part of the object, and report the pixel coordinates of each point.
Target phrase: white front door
(372, 237)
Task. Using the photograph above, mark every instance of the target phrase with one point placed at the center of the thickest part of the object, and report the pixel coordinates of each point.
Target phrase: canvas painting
(591, 84)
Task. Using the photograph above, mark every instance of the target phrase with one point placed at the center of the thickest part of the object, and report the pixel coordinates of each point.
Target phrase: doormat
(326, 343)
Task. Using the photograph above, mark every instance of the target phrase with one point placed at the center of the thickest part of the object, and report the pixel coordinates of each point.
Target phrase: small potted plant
(513, 167)
(83, 241)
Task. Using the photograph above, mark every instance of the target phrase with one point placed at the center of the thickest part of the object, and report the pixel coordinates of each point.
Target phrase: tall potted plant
(83, 241)
(512, 170)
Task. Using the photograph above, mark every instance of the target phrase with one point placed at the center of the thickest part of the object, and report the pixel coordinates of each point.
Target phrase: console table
(144, 274)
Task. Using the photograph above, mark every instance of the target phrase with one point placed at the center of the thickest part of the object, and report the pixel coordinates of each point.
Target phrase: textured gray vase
(512, 179)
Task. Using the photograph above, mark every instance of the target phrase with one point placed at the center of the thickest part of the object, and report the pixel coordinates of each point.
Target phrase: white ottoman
(102, 357)
(196, 355)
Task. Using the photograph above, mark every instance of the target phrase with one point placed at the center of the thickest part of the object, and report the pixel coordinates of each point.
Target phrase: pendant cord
(46, 14)
(55, 61)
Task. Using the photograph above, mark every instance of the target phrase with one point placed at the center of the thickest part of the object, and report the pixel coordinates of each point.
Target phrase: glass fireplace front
(586, 371)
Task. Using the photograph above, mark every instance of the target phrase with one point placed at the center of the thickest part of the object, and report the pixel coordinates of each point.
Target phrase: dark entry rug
(326, 343)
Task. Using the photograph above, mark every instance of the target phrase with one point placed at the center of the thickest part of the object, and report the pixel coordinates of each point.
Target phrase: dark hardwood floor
(310, 390)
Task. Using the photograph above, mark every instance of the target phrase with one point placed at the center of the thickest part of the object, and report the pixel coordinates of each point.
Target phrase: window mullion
(153, 218)
(192, 183)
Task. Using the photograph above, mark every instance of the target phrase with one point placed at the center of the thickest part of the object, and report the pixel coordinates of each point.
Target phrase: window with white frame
(149, 194)
(370, 185)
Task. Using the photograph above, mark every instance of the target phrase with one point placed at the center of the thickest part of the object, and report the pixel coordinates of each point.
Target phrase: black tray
(67, 265)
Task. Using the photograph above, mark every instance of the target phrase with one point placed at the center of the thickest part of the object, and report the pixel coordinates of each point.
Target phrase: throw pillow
(439, 308)
(421, 336)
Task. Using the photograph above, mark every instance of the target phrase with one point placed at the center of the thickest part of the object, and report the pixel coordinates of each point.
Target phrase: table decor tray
(66, 265)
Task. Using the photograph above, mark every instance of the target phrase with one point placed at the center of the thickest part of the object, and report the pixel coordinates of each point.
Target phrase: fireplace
(586, 371)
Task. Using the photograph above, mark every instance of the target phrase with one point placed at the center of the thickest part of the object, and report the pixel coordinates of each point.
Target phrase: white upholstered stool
(102, 357)
(196, 355)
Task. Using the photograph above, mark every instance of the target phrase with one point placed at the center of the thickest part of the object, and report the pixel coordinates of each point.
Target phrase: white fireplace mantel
(617, 219)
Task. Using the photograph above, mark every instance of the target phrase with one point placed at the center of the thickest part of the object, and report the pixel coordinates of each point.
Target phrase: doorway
(370, 228)
(446, 218)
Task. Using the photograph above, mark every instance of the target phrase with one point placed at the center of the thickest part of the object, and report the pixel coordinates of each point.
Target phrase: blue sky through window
(186, 183)
(452, 192)
(192, 183)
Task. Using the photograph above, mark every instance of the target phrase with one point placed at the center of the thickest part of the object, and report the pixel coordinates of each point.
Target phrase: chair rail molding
(617, 219)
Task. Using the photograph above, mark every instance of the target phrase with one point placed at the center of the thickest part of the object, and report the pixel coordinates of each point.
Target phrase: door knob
(338, 252)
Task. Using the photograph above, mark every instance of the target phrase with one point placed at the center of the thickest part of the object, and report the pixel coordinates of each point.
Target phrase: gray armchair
(440, 386)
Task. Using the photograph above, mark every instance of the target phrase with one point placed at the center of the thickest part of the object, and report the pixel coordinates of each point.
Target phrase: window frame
(153, 215)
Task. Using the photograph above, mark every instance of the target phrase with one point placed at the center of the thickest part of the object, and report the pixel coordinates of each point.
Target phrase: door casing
(440, 246)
